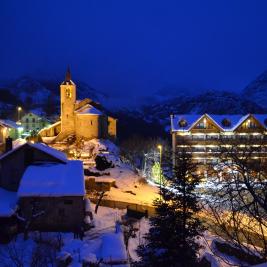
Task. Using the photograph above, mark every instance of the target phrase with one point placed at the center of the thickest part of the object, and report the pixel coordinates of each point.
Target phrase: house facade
(8, 128)
(32, 122)
(81, 118)
(204, 135)
(41, 186)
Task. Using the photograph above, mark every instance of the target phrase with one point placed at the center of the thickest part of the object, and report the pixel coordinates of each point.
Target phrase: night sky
(132, 48)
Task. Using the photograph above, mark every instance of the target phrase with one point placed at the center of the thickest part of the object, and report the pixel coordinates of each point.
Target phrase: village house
(42, 188)
(204, 135)
(33, 123)
(8, 128)
(81, 118)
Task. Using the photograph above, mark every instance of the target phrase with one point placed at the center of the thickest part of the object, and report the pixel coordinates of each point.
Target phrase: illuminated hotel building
(205, 135)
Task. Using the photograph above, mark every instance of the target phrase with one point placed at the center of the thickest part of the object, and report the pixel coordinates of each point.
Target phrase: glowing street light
(160, 162)
(19, 110)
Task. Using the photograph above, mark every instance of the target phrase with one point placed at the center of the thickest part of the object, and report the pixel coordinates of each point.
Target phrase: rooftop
(40, 146)
(9, 124)
(88, 110)
(234, 121)
(53, 180)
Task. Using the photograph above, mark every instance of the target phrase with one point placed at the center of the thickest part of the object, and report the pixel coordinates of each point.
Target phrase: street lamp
(160, 162)
(19, 110)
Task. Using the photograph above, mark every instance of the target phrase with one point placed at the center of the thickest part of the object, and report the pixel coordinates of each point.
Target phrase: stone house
(82, 118)
(40, 185)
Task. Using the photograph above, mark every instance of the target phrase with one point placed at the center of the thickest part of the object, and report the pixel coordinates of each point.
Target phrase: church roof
(88, 110)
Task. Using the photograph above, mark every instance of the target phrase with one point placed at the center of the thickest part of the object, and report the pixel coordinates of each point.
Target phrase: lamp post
(160, 162)
(19, 110)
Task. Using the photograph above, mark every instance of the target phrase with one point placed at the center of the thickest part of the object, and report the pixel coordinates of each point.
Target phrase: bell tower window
(68, 93)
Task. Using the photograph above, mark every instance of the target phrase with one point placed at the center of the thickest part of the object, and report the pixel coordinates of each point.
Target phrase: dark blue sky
(134, 47)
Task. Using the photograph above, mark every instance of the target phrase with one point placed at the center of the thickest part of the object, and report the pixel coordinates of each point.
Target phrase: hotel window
(201, 125)
(212, 137)
(33, 119)
(198, 137)
(251, 124)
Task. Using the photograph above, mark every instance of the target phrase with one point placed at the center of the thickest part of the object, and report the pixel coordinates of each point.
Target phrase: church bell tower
(67, 101)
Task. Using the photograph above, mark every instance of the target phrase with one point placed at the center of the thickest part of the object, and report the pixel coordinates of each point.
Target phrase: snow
(103, 179)
(40, 146)
(8, 202)
(51, 151)
(87, 205)
(113, 248)
(190, 119)
(53, 179)
(235, 120)
(9, 124)
(88, 110)
(92, 248)
(18, 142)
(48, 140)
(143, 228)
(128, 181)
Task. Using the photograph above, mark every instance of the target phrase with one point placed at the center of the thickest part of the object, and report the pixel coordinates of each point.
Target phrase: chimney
(9, 144)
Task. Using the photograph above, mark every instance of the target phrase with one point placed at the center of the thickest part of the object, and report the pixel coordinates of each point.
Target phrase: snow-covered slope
(145, 119)
(34, 93)
(257, 90)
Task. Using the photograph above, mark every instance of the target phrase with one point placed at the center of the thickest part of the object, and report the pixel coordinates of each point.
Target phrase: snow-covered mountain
(37, 94)
(151, 117)
(257, 90)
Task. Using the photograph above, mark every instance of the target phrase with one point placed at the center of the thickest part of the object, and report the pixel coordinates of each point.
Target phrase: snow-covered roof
(53, 179)
(50, 150)
(40, 146)
(50, 126)
(9, 124)
(8, 202)
(88, 110)
(235, 120)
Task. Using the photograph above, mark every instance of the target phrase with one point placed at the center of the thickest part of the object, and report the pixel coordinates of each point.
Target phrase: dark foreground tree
(237, 201)
(172, 238)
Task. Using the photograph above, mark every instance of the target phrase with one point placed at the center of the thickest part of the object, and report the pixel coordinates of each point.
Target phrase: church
(81, 118)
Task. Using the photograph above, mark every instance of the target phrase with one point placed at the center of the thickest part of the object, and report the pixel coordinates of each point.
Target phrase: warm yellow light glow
(228, 133)
(159, 147)
(19, 108)
(196, 134)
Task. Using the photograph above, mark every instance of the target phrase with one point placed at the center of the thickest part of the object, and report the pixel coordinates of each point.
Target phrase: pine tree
(172, 238)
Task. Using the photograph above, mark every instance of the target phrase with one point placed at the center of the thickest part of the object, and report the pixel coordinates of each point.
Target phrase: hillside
(149, 119)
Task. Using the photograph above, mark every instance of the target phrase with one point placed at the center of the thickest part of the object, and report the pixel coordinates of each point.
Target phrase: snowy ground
(100, 242)
(130, 187)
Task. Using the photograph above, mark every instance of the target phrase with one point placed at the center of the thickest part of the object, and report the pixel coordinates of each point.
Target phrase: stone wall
(112, 128)
(88, 126)
(60, 213)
